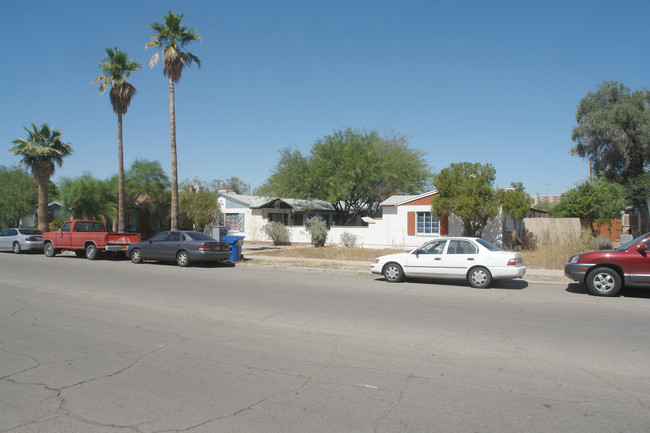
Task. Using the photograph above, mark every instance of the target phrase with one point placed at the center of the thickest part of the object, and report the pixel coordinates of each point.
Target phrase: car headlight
(574, 259)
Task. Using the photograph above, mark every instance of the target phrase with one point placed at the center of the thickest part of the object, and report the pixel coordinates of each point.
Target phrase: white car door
(459, 257)
(426, 260)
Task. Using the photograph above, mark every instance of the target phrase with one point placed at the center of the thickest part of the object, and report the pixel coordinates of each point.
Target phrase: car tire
(479, 278)
(393, 273)
(182, 259)
(17, 248)
(604, 282)
(136, 255)
(91, 252)
(48, 250)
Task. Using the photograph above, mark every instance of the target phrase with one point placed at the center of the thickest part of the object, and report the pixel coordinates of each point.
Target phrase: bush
(348, 239)
(317, 228)
(278, 233)
(602, 243)
(56, 223)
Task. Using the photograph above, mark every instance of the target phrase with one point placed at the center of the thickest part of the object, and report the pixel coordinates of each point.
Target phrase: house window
(298, 219)
(235, 222)
(279, 217)
(427, 224)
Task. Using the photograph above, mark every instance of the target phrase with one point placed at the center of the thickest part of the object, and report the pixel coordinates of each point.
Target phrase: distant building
(552, 199)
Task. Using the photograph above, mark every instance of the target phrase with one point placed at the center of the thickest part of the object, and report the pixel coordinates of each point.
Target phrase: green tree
(18, 196)
(613, 131)
(171, 37)
(466, 189)
(601, 201)
(235, 184)
(116, 68)
(41, 152)
(353, 170)
(515, 200)
(147, 186)
(86, 197)
(198, 205)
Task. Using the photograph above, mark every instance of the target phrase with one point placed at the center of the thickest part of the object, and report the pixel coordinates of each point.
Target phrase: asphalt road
(109, 346)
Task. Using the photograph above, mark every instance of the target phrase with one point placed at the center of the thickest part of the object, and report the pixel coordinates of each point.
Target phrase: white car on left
(19, 240)
(473, 259)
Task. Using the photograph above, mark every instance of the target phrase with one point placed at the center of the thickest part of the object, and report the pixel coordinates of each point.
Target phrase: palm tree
(41, 151)
(116, 68)
(171, 37)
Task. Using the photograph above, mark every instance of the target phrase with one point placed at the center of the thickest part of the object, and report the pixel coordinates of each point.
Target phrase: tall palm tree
(116, 68)
(171, 37)
(41, 151)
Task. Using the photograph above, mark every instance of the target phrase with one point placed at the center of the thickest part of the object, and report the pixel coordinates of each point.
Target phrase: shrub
(602, 243)
(56, 223)
(317, 228)
(348, 239)
(278, 232)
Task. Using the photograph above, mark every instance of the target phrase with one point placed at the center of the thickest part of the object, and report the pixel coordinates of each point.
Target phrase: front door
(426, 260)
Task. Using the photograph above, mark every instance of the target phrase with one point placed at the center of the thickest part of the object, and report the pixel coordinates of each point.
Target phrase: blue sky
(490, 82)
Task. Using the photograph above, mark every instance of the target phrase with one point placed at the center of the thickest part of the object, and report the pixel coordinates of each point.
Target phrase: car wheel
(80, 253)
(479, 278)
(393, 273)
(48, 250)
(17, 248)
(604, 282)
(182, 258)
(136, 256)
(91, 252)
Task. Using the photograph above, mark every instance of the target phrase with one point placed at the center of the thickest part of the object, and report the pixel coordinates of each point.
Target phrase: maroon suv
(606, 272)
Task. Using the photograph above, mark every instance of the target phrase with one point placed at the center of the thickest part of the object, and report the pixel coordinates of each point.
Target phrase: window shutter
(444, 225)
(410, 224)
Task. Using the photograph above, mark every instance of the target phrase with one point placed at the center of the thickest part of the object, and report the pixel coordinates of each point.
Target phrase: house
(406, 222)
(54, 209)
(247, 214)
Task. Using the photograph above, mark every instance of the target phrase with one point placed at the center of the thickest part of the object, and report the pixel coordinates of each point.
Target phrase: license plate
(124, 248)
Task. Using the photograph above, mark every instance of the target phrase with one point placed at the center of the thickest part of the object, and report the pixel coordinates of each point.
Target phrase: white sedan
(474, 259)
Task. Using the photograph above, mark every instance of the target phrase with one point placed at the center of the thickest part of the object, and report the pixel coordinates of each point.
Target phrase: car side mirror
(642, 248)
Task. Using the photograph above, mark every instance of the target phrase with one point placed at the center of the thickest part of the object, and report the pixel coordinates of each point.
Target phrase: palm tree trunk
(172, 132)
(42, 178)
(121, 211)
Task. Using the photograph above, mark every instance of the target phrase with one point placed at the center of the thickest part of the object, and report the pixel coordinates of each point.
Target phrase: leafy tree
(86, 197)
(147, 185)
(613, 130)
(18, 196)
(515, 200)
(353, 170)
(601, 201)
(235, 184)
(116, 68)
(465, 189)
(171, 37)
(198, 205)
(41, 152)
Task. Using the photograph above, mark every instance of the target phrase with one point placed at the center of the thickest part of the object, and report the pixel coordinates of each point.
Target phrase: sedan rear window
(487, 245)
(198, 236)
(30, 232)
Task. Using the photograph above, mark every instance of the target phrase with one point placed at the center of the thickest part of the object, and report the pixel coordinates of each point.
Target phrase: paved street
(109, 346)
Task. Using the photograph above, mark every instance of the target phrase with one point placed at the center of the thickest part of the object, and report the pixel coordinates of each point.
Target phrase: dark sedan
(182, 246)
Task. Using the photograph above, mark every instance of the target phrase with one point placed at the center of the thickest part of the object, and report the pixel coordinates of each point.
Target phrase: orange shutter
(410, 224)
(444, 225)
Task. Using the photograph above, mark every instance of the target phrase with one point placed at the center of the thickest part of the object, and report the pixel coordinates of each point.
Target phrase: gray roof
(396, 200)
(258, 202)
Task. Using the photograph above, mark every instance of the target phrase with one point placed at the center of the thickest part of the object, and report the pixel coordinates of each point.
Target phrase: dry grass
(329, 252)
(550, 254)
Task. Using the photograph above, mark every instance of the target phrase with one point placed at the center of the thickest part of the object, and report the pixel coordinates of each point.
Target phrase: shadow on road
(626, 292)
(499, 284)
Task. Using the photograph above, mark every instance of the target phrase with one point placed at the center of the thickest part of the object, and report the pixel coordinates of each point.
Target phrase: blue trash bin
(235, 243)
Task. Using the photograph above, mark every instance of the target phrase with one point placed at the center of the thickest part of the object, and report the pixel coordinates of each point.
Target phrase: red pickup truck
(88, 238)
(606, 272)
